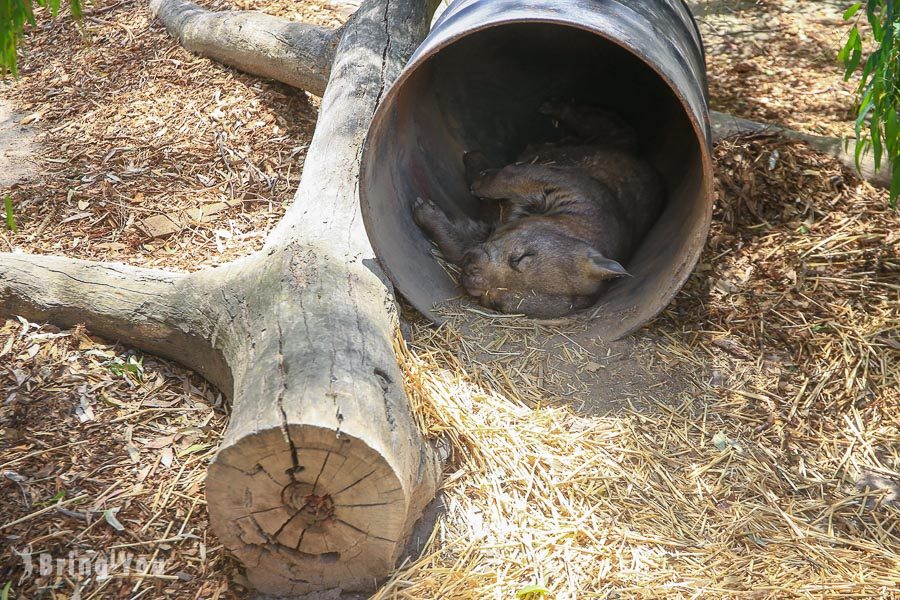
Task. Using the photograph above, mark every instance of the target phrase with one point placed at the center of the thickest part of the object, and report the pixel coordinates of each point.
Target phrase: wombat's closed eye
(521, 261)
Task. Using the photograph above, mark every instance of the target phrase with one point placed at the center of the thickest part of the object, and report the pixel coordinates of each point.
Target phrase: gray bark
(297, 54)
(841, 148)
(322, 471)
(159, 311)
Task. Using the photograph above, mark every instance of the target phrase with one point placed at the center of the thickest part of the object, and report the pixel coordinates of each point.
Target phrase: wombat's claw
(421, 203)
(551, 108)
(419, 209)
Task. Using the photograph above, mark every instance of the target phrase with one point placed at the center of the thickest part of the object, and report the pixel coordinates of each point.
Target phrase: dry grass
(776, 474)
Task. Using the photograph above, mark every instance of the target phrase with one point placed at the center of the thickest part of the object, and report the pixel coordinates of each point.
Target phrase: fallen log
(724, 125)
(322, 472)
(297, 54)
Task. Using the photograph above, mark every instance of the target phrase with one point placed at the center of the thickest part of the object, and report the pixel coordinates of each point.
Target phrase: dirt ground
(16, 147)
(746, 443)
(775, 62)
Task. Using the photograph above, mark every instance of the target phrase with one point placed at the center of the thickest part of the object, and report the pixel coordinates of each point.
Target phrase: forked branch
(297, 54)
(322, 471)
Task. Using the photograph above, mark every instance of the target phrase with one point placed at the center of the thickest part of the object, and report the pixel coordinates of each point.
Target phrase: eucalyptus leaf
(530, 592)
(848, 14)
(10, 216)
(878, 90)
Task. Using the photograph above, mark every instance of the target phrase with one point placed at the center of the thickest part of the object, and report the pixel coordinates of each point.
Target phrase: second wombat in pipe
(571, 214)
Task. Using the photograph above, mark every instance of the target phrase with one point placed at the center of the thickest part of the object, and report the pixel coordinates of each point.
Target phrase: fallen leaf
(110, 516)
(32, 118)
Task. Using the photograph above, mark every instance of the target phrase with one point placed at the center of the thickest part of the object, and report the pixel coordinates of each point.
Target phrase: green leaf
(877, 145)
(529, 592)
(133, 366)
(4, 593)
(871, 63)
(895, 182)
(862, 146)
(843, 53)
(855, 52)
(10, 217)
(864, 108)
(891, 133)
(851, 54)
(848, 14)
(192, 449)
(874, 19)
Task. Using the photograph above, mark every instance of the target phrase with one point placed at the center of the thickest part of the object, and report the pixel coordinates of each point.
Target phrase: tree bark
(161, 312)
(725, 125)
(297, 54)
(322, 472)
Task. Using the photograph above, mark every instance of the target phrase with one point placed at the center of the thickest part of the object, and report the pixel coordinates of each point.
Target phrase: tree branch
(322, 472)
(725, 125)
(156, 311)
(297, 54)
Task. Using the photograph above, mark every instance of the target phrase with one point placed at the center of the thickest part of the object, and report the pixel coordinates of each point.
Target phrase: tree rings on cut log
(314, 511)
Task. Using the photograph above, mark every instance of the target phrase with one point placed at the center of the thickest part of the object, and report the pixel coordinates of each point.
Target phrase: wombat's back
(635, 184)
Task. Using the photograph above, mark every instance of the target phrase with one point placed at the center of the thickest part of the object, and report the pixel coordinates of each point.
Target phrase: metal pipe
(476, 83)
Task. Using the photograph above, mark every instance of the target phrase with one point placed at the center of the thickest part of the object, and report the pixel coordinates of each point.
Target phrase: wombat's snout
(474, 282)
(473, 273)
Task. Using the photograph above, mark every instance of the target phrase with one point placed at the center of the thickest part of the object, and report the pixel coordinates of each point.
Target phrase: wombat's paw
(552, 108)
(425, 212)
(485, 185)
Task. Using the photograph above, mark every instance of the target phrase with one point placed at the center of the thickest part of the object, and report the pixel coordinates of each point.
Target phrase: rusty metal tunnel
(476, 84)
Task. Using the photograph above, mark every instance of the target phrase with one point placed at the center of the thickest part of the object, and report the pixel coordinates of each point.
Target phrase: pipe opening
(482, 92)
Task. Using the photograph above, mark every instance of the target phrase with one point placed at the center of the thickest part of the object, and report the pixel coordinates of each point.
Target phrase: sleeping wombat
(570, 215)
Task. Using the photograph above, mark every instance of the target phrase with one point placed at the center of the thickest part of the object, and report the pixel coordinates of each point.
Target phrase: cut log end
(319, 510)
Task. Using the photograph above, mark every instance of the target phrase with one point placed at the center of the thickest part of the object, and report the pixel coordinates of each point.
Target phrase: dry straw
(774, 472)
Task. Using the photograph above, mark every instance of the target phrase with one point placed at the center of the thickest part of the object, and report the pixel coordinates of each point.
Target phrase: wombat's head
(528, 257)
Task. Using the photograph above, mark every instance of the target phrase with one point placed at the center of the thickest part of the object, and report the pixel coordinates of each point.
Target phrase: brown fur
(570, 215)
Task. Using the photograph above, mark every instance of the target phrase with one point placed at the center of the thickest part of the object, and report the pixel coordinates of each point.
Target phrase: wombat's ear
(604, 268)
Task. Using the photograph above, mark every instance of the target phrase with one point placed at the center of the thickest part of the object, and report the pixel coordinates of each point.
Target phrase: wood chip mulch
(775, 61)
(134, 128)
(104, 453)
